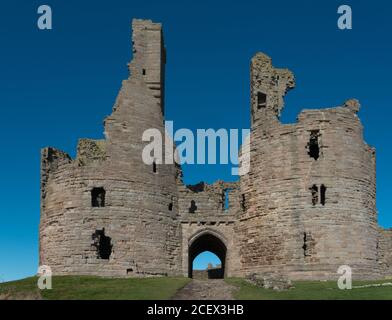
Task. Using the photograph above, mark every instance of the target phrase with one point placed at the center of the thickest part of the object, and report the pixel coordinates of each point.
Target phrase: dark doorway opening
(261, 100)
(98, 197)
(208, 242)
(102, 243)
(313, 145)
(193, 207)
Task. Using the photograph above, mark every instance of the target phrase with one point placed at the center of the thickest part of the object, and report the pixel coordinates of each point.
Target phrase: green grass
(312, 290)
(158, 288)
(94, 288)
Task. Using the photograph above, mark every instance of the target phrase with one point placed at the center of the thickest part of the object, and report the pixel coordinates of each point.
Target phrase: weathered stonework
(289, 224)
(384, 251)
(306, 206)
(143, 232)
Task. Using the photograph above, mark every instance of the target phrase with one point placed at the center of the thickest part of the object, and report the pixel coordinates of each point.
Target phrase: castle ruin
(306, 207)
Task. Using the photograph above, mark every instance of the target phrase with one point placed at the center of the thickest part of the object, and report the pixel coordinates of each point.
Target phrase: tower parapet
(310, 191)
(149, 57)
(268, 87)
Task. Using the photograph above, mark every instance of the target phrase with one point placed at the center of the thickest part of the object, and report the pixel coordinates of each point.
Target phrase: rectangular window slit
(313, 144)
(154, 167)
(243, 204)
(314, 190)
(225, 199)
(261, 100)
(193, 207)
(98, 197)
(323, 190)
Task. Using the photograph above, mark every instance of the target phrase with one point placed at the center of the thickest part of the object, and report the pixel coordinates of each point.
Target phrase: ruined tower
(107, 212)
(306, 207)
(310, 192)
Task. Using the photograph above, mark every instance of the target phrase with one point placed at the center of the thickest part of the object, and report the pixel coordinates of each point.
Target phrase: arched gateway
(207, 240)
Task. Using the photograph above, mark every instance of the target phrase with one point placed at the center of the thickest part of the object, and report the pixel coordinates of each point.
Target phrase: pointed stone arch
(207, 240)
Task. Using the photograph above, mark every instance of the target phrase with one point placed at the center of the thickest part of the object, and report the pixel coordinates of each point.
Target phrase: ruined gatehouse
(306, 207)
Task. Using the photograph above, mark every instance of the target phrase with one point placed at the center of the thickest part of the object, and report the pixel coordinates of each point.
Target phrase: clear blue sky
(57, 86)
(203, 259)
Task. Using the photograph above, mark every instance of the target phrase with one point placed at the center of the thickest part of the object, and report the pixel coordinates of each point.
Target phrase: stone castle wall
(385, 252)
(287, 226)
(140, 213)
(306, 206)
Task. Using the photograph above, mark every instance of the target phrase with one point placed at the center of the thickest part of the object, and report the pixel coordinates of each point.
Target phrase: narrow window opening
(144, 72)
(193, 207)
(102, 243)
(243, 199)
(170, 206)
(313, 145)
(261, 100)
(308, 244)
(98, 197)
(225, 199)
(305, 245)
(227, 202)
(323, 190)
(154, 167)
(314, 191)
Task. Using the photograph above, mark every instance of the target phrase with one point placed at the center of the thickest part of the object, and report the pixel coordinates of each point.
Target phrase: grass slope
(94, 288)
(312, 290)
(97, 288)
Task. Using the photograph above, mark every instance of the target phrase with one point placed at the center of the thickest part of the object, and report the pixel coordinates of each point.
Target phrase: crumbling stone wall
(91, 151)
(286, 226)
(306, 206)
(206, 199)
(144, 233)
